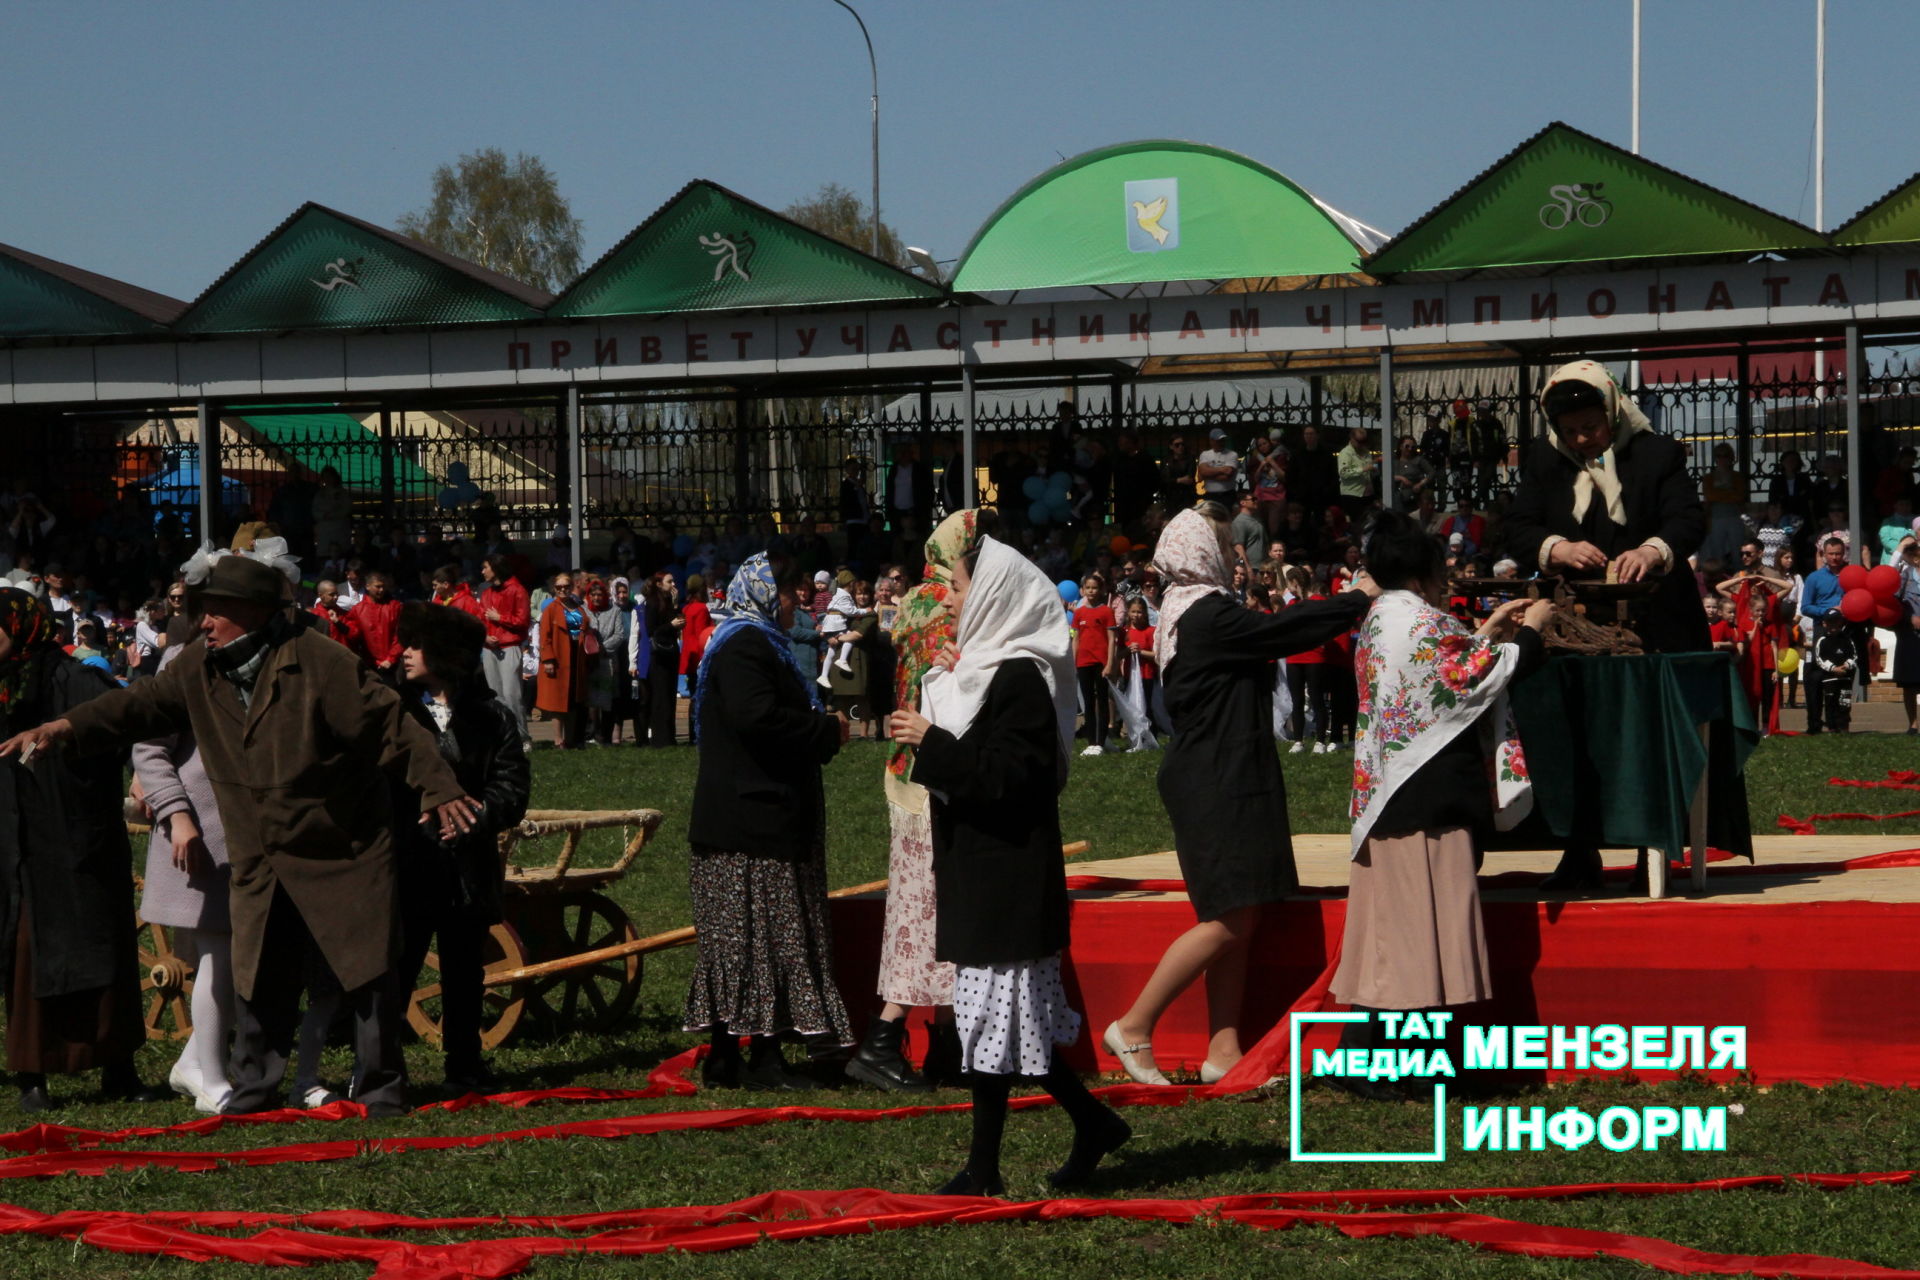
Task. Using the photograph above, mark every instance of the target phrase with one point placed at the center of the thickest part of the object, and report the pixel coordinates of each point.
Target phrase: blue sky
(158, 142)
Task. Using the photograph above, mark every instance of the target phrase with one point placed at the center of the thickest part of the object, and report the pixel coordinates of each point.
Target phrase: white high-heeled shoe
(1119, 1048)
(1210, 1074)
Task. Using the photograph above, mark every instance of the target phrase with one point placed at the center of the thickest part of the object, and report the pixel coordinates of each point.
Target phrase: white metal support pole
(1820, 164)
(207, 445)
(1386, 427)
(969, 496)
(1636, 77)
(577, 486)
(1854, 514)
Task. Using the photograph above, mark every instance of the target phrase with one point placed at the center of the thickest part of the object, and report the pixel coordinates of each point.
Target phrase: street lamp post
(874, 68)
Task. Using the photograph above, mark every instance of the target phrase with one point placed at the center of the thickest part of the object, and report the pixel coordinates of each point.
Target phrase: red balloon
(1884, 581)
(1853, 578)
(1857, 605)
(1887, 616)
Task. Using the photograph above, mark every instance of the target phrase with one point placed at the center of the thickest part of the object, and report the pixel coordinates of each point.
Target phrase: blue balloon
(1039, 513)
(448, 498)
(1034, 487)
(683, 546)
(1060, 504)
(1069, 590)
(1059, 482)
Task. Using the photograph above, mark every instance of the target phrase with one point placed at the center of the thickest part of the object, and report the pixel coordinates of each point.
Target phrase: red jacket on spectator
(338, 627)
(462, 599)
(378, 627)
(509, 600)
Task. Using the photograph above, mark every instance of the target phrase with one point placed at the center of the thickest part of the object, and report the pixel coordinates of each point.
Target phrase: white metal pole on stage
(1636, 77)
(1854, 475)
(1386, 427)
(576, 481)
(969, 496)
(207, 445)
(1820, 163)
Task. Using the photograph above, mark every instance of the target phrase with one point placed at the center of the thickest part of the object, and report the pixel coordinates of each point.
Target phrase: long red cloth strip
(740, 1225)
(781, 1204)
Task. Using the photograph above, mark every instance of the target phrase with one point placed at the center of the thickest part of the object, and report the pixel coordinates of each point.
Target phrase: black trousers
(264, 1025)
(663, 679)
(1815, 682)
(1098, 700)
(430, 912)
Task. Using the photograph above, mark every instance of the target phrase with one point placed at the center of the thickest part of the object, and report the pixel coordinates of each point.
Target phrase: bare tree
(506, 215)
(836, 212)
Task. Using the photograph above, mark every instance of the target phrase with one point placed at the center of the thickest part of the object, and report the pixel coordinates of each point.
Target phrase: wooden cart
(541, 961)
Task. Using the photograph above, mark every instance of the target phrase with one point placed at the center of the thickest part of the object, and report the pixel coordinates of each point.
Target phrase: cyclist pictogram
(1572, 201)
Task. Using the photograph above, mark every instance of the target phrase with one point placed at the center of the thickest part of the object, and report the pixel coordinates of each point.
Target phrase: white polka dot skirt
(1010, 1016)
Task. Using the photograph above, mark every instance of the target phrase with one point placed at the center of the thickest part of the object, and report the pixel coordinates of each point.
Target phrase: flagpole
(1820, 159)
(1636, 77)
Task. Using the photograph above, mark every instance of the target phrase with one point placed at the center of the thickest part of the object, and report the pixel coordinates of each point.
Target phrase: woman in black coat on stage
(1220, 778)
(1604, 493)
(450, 891)
(993, 755)
(758, 874)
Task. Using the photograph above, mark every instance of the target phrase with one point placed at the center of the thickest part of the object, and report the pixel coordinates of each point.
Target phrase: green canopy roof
(1892, 219)
(1144, 212)
(41, 298)
(1565, 197)
(315, 441)
(711, 249)
(322, 269)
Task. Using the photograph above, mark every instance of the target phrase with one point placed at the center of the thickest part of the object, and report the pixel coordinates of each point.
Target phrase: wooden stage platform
(1322, 860)
(1821, 964)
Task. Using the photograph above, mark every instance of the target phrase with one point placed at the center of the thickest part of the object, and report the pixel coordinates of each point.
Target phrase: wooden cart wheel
(501, 1008)
(166, 984)
(591, 997)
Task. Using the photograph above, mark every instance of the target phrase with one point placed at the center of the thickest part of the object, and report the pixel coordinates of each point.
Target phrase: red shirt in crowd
(1143, 637)
(338, 627)
(509, 600)
(1093, 624)
(1724, 632)
(1309, 657)
(378, 627)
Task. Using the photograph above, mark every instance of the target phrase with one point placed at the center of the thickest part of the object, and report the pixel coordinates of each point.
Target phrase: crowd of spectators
(1086, 505)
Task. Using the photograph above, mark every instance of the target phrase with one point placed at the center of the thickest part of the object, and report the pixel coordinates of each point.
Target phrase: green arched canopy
(1144, 212)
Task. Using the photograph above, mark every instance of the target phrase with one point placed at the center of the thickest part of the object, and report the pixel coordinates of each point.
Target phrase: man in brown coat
(295, 734)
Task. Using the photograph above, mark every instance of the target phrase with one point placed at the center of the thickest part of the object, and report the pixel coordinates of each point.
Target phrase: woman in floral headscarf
(1436, 768)
(758, 874)
(1220, 778)
(67, 960)
(910, 977)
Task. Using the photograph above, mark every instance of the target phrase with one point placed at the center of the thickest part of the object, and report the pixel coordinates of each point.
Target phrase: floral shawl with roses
(1424, 678)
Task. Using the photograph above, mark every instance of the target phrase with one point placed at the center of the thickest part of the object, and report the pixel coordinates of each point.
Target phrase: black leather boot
(880, 1062)
(941, 1067)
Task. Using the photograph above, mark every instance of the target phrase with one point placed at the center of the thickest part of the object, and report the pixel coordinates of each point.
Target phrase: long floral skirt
(1414, 936)
(765, 946)
(909, 974)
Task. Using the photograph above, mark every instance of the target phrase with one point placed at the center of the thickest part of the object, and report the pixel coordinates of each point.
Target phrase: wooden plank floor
(1322, 860)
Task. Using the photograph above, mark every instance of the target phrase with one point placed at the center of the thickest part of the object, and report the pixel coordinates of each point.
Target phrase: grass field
(1226, 1147)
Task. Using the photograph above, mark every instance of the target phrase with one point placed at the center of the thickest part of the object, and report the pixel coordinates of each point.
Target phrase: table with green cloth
(1618, 748)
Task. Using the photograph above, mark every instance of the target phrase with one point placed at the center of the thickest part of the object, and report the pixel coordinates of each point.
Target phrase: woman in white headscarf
(992, 751)
(1220, 779)
(1604, 493)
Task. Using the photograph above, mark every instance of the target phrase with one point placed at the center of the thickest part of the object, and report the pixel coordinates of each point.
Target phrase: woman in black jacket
(1220, 778)
(758, 875)
(67, 960)
(663, 624)
(451, 890)
(1606, 494)
(994, 757)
